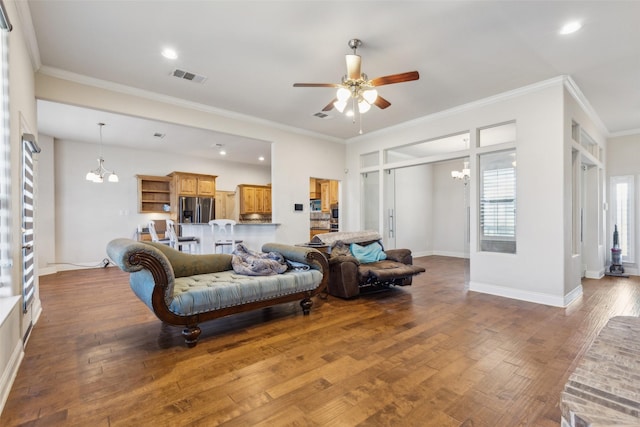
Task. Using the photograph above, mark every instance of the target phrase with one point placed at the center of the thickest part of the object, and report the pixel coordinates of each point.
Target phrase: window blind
(497, 203)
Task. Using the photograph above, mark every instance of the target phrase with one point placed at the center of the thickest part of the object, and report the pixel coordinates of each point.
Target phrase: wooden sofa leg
(191, 335)
(306, 305)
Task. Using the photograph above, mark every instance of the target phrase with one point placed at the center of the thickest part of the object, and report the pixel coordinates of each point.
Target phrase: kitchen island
(253, 235)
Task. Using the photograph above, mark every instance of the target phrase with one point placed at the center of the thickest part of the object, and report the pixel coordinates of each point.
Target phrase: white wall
(45, 208)
(295, 158)
(594, 254)
(449, 211)
(22, 118)
(623, 153)
(537, 271)
(414, 209)
(89, 215)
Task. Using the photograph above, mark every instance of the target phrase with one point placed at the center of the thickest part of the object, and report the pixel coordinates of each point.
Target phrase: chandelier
(464, 174)
(97, 175)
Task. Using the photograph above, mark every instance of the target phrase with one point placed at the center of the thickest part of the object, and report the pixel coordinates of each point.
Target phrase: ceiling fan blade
(316, 85)
(381, 103)
(330, 105)
(353, 66)
(395, 78)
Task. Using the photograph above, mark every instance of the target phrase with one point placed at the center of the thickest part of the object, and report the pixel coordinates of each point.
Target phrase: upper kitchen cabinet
(154, 193)
(328, 194)
(333, 192)
(191, 184)
(254, 199)
(324, 196)
(314, 188)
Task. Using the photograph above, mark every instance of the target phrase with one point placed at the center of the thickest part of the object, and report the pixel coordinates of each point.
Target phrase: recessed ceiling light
(261, 158)
(169, 53)
(223, 153)
(570, 27)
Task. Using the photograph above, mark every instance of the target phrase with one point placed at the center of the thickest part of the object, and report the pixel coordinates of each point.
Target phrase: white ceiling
(253, 52)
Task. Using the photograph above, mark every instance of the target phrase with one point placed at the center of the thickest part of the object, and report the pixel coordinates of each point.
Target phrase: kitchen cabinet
(267, 200)
(254, 199)
(225, 204)
(206, 185)
(324, 196)
(154, 193)
(191, 184)
(314, 188)
(333, 192)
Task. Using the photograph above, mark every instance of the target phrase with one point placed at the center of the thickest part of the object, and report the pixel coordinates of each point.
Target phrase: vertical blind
(28, 276)
(497, 203)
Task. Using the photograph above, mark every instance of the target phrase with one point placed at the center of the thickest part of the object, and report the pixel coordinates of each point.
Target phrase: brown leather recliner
(348, 276)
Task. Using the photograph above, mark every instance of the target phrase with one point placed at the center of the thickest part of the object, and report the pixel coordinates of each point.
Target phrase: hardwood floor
(433, 354)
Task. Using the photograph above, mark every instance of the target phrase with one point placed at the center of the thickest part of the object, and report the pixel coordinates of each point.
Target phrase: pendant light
(97, 175)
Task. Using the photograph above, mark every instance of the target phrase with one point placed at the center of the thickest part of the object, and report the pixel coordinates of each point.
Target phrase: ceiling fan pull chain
(353, 110)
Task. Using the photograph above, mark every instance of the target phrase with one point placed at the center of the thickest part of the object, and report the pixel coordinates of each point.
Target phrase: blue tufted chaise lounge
(185, 290)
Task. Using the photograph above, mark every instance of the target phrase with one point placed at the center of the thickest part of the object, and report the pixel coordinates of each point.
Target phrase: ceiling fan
(356, 86)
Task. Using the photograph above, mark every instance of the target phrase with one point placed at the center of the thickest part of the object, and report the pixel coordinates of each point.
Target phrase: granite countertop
(257, 223)
(237, 223)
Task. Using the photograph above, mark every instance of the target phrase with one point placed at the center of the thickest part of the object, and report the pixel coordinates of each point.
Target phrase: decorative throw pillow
(369, 253)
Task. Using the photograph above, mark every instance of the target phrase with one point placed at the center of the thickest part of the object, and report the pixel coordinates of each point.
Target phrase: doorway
(324, 212)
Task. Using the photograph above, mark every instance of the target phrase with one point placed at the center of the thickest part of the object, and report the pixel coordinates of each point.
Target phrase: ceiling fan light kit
(357, 88)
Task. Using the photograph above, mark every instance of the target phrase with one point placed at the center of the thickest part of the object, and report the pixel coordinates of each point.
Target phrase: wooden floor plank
(430, 354)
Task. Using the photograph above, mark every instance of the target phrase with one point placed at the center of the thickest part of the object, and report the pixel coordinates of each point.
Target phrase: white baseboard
(572, 296)
(416, 254)
(451, 254)
(54, 268)
(47, 270)
(10, 373)
(529, 296)
(594, 274)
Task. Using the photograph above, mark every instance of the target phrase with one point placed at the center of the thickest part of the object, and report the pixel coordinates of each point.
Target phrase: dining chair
(179, 242)
(223, 234)
(154, 235)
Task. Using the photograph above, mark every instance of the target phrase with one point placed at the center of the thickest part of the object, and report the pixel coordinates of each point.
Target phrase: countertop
(237, 223)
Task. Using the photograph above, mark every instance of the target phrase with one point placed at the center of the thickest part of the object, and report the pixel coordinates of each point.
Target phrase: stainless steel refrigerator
(196, 210)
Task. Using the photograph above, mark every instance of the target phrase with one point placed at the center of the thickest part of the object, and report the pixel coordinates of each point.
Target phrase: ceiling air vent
(321, 115)
(186, 75)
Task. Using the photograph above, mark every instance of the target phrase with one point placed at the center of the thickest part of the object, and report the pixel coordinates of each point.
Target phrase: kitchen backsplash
(320, 219)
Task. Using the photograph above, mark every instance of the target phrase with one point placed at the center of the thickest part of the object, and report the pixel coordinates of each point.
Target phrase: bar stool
(179, 242)
(154, 235)
(223, 234)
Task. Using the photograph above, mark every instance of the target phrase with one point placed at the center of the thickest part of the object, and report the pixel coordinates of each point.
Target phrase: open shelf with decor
(154, 193)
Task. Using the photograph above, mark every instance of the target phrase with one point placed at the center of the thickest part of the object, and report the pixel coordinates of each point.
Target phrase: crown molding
(584, 103)
(628, 132)
(29, 33)
(463, 108)
(555, 81)
(179, 102)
